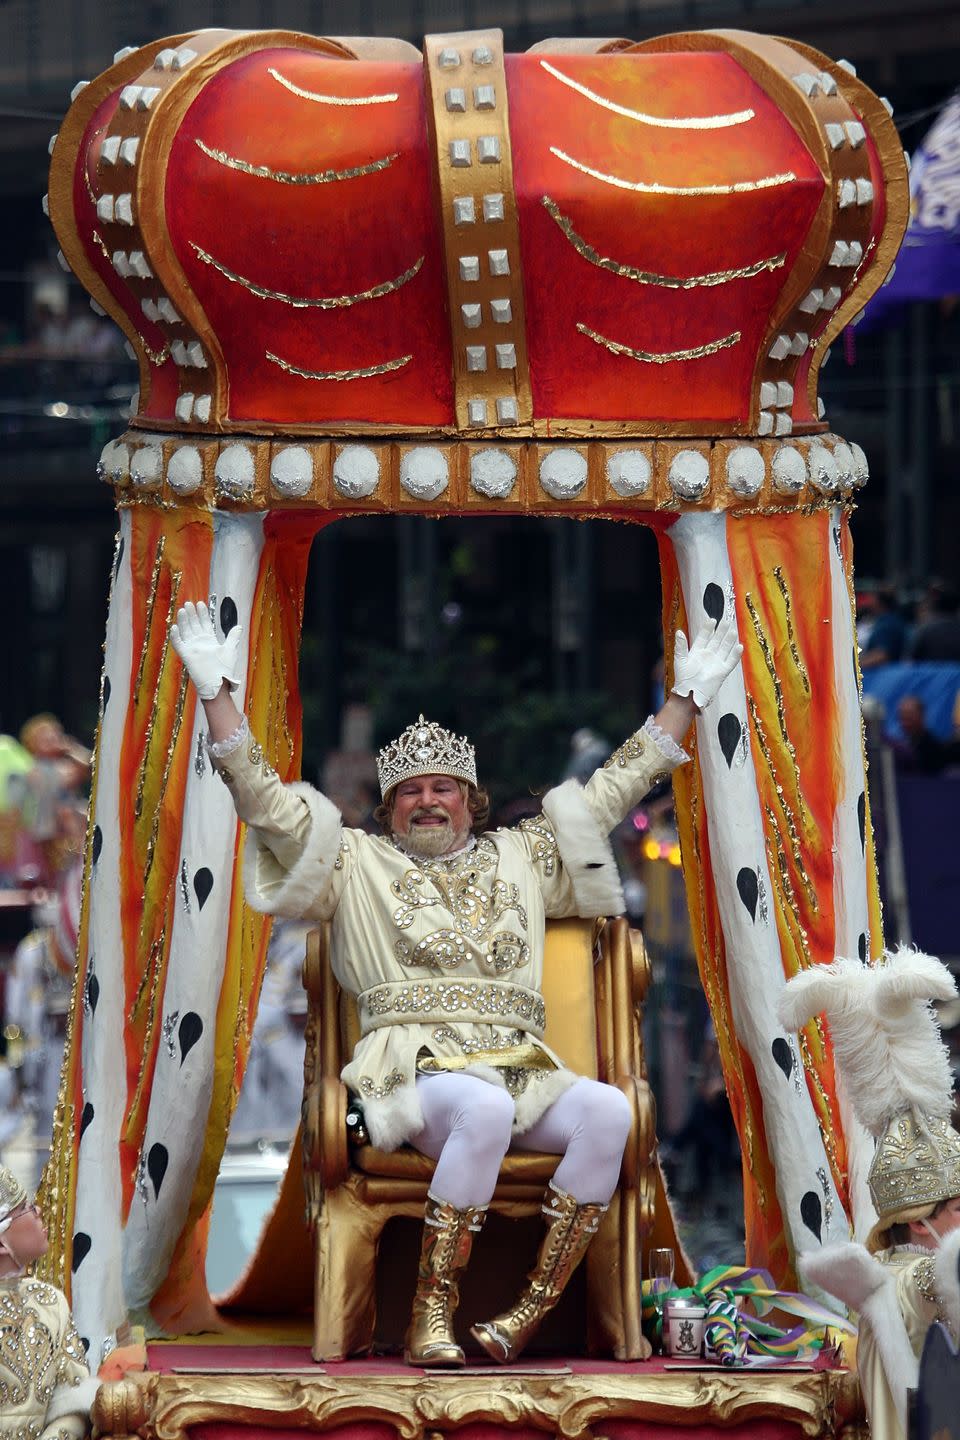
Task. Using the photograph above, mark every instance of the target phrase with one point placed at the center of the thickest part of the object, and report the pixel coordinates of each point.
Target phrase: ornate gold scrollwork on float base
(417, 1405)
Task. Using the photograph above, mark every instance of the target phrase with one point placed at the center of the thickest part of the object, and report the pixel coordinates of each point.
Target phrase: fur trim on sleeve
(945, 1266)
(586, 852)
(72, 1400)
(297, 893)
(391, 1122)
(869, 1287)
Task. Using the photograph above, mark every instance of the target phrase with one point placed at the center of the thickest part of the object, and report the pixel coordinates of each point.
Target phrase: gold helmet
(896, 1069)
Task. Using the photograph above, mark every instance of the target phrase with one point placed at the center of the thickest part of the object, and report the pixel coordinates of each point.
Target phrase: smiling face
(429, 814)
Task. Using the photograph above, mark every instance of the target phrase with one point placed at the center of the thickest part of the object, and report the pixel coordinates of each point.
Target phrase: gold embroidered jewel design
(424, 997)
(650, 277)
(644, 187)
(440, 950)
(361, 374)
(662, 122)
(542, 841)
(631, 749)
(306, 302)
(320, 99)
(370, 1090)
(295, 177)
(662, 357)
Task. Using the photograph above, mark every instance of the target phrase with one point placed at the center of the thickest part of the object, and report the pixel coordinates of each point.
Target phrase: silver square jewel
(456, 99)
(464, 212)
(488, 149)
(502, 312)
(476, 357)
(507, 411)
(471, 316)
(484, 97)
(493, 207)
(506, 357)
(469, 267)
(460, 152)
(499, 262)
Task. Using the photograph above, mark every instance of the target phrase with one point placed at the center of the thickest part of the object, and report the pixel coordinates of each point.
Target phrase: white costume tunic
(444, 956)
(45, 1386)
(923, 1293)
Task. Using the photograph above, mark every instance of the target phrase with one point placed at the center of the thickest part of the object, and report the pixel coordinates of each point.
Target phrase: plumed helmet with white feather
(896, 1069)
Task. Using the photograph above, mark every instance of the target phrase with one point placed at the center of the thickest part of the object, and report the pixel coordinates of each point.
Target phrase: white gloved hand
(701, 668)
(208, 661)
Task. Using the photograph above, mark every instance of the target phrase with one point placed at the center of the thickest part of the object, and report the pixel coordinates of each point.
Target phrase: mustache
(433, 811)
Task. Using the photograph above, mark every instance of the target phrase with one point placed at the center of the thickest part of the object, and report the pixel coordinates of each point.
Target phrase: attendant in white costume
(45, 1387)
(895, 1067)
(438, 931)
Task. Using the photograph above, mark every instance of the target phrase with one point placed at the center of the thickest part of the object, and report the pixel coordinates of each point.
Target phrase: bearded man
(438, 932)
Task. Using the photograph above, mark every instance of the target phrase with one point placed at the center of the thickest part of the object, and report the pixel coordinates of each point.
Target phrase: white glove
(207, 660)
(700, 669)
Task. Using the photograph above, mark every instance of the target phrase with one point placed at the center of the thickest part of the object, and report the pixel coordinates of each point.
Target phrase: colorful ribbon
(733, 1332)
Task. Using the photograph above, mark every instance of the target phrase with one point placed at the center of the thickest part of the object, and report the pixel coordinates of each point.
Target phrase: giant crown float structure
(595, 279)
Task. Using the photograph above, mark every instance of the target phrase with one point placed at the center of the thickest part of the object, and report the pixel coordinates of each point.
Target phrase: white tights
(468, 1130)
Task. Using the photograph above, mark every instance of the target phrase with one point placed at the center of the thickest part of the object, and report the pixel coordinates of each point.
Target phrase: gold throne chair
(593, 970)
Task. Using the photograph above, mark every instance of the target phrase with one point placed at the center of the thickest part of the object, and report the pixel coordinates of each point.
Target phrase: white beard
(430, 841)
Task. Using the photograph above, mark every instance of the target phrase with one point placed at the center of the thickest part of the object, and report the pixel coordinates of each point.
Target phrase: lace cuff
(665, 743)
(220, 749)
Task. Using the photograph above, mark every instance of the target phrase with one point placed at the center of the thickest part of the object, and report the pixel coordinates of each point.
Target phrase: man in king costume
(45, 1387)
(896, 1070)
(438, 931)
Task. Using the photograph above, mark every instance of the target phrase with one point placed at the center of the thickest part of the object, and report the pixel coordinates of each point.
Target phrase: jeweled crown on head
(425, 748)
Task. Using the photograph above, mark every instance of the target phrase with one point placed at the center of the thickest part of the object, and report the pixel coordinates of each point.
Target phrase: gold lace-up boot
(570, 1228)
(447, 1240)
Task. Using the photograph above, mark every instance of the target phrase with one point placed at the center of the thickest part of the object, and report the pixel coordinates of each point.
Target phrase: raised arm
(698, 672)
(280, 818)
(213, 665)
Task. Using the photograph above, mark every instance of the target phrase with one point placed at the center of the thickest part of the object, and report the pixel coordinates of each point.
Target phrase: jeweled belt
(469, 1002)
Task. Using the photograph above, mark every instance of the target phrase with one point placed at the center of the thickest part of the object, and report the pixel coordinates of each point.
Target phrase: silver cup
(683, 1325)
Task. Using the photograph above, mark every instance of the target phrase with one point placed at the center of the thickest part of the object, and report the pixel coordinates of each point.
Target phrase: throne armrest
(622, 980)
(324, 1131)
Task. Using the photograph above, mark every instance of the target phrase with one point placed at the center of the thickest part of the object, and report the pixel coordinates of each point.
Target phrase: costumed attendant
(45, 1387)
(437, 929)
(896, 1070)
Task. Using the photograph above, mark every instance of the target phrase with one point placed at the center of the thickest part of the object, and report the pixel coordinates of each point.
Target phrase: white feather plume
(885, 1035)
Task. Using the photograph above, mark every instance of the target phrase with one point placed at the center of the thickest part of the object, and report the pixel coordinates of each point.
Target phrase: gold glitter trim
(331, 99)
(683, 122)
(643, 187)
(97, 239)
(788, 817)
(363, 374)
(177, 721)
(789, 896)
(764, 644)
(175, 579)
(650, 277)
(663, 357)
(151, 605)
(826, 1134)
(791, 636)
(152, 970)
(294, 177)
(304, 302)
(156, 357)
